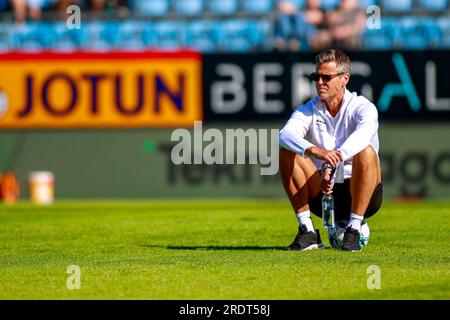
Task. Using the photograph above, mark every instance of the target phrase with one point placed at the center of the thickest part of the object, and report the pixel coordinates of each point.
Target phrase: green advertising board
(139, 163)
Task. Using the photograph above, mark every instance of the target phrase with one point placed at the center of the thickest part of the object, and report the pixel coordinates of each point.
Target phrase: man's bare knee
(366, 157)
(287, 156)
(289, 160)
(366, 161)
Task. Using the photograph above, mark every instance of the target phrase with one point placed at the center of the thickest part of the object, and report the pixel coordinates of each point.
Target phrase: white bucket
(41, 187)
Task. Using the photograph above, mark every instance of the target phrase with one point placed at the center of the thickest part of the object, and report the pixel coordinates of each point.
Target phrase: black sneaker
(305, 240)
(351, 240)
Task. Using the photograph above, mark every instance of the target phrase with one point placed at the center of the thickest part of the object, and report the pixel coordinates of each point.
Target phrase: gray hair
(342, 61)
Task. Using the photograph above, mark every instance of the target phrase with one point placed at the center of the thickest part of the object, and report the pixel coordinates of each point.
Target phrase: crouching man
(335, 126)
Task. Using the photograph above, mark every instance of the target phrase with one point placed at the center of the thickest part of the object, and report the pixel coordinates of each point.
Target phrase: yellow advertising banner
(100, 90)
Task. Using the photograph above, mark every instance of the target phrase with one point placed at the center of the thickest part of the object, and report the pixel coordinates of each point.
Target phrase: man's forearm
(331, 156)
(290, 140)
(311, 151)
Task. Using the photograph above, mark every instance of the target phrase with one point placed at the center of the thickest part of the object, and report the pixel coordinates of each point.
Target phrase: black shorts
(343, 201)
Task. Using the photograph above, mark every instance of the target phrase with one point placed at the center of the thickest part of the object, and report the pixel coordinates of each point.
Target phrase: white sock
(355, 221)
(305, 218)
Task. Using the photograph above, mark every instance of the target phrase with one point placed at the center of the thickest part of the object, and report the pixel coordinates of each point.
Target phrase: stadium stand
(224, 26)
(154, 8)
(433, 5)
(200, 35)
(223, 7)
(398, 6)
(264, 7)
(188, 7)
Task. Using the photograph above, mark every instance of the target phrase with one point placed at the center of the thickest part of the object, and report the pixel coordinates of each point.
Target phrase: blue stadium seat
(200, 35)
(444, 28)
(399, 6)
(329, 4)
(223, 7)
(258, 6)
(188, 7)
(444, 24)
(384, 38)
(65, 39)
(391, 27)
(445, 42)
(149, 35)
(169, 34)
(376, 40)
(5, 37)
(303, 28)
(233, 36)
(433, 5)
(412, 33)
(288, 28)
(413, 41)
(260, 33)
(152, 8)
(398, 27)
(433, 33)
(237, 45)
(98, 36)
(409, 22)
(32, 36)
(130, 35)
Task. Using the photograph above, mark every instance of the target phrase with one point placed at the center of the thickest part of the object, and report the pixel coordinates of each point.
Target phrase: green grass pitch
(215, 249)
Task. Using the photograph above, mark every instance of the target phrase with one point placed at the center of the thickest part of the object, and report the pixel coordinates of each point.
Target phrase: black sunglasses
(325, 77)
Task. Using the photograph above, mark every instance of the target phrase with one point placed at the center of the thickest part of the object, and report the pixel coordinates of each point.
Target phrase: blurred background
(224, 25)
(90, 95)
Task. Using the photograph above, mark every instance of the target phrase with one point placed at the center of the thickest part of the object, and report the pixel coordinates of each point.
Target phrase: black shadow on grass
(214, 247)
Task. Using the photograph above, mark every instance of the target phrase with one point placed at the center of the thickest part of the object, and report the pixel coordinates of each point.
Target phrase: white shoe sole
(311, 247)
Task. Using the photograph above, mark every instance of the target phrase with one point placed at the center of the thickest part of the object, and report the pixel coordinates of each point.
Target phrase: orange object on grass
(9, 188)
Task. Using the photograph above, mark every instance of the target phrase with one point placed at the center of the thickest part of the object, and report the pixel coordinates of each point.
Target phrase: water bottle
(328, 210)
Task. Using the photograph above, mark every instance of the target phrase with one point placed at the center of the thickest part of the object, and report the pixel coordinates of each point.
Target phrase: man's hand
(326, 184)
(331, 156)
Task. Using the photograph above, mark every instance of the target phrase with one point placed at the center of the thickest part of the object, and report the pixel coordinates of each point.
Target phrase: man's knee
(289, 160)
(367, 161)
(366, 157)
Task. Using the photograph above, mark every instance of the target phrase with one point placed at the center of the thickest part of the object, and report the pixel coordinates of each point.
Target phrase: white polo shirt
(353, 128)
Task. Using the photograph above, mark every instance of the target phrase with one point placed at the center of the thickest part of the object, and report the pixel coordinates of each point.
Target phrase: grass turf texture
(214, 250)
